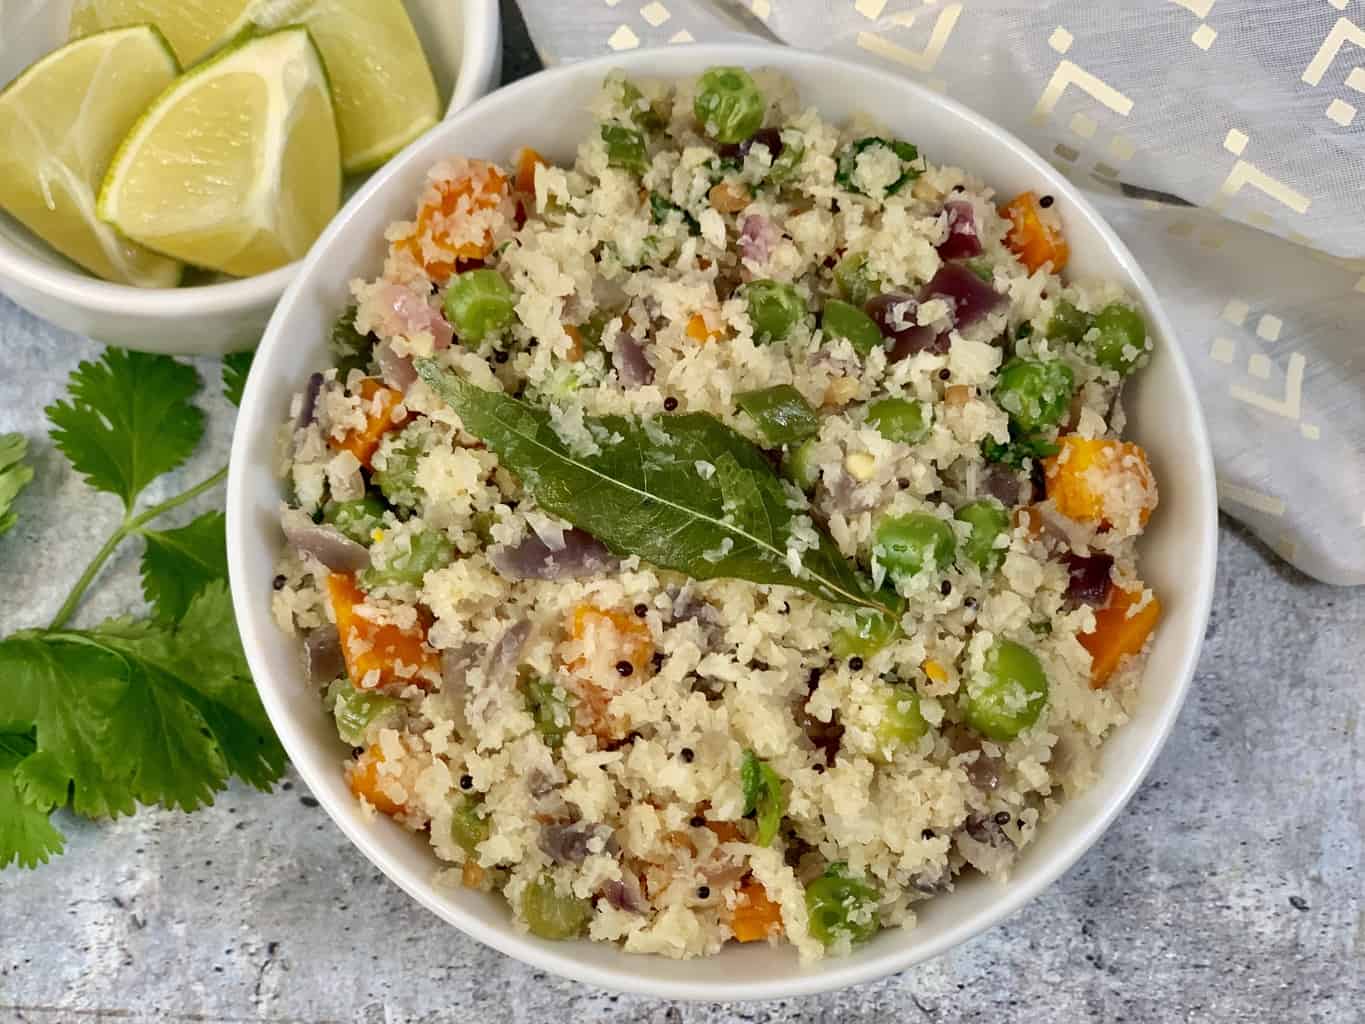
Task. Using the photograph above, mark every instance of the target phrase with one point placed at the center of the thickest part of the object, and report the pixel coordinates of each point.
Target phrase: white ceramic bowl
(1178, 551)
(463, 42)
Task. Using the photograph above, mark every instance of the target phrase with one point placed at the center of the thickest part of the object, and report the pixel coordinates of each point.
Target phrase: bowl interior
(31, 29)
(1178, 550)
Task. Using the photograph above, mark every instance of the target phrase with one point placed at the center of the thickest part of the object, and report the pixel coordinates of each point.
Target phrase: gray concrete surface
(1230, 890)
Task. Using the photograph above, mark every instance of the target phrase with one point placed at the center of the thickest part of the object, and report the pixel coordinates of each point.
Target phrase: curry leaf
(682, 492)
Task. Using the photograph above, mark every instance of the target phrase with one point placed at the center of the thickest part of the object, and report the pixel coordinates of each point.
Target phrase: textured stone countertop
(1231, 889)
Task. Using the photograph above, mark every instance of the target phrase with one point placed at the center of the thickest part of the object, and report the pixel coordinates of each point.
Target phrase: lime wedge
(381, 81)
(194, 27)
(236, 167)
(61, 121)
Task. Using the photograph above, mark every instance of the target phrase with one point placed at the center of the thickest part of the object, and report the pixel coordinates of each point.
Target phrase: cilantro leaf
(128, 421)
(27, 836)
(138, 712)
(14, 476)
(177, 564)
(236, 365)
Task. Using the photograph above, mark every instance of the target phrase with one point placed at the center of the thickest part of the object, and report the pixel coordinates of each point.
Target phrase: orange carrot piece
(1030, 519)
(726, 831)
(756, 917)
(1117, 633)
(1036, 235)
(1088, 472)
(378, 403)
(369, 647)
(363, 779)
(527, 162)
(623, 638)
(477, 187)
(576, 349)
(472, 875)
(701, 332)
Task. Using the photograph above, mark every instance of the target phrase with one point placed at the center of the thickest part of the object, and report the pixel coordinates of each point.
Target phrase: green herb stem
(130, 526)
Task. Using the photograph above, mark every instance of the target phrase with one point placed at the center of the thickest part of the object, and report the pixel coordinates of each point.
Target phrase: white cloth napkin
(1246, 109)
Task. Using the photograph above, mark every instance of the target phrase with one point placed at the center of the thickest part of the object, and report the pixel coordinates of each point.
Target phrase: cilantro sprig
(159, 710)
(15, 475)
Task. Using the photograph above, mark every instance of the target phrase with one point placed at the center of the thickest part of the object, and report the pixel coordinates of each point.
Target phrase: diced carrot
(1036, 235)
(444, 234)
(726, 831)
(702, 332)
(378, 404)
(934, 670)
(472, 875)
(374, 652)
(609, 639)
(364, 780)
(756, 917)
(1097, 481)
(1030, 519)
(1119, 631)
(527, 162)
(576, 349)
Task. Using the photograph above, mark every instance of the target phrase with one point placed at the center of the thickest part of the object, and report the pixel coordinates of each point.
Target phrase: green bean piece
(905, 153)
(981, 267)
(1121, 343)
(988, 520)
(397, 477)
(549, 708)
(356, 519)
(479, 303)
(841, 319)
(1035, 393)
(1009, 696)
(728, 104)
(901, 722)
(901, 419)
(429, 550)
(870, 631)
(786, 163)
(774, 308)
(551, 914)
(625, 148)
(469, 825)
(1068, 324)
(854, 280)
(782, 414)
(798, 466)
(763, 796)
(355, 711)
(842, 907)
(916, 543)
(642, 114)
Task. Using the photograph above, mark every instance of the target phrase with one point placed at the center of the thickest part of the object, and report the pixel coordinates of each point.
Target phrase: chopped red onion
(329, 546)
(1090, 581)
(758, 236)
(970, 297)
(962, 241)
(308, 408)
(406, 313)
(396, 370)
(570, 844)
(532, 559)
(632, 365)
(895, 314)
(624, 894)
(322, 657)
(506, 653)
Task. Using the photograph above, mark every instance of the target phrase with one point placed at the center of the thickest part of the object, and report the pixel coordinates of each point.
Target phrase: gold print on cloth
(1289, 404)
(1205, 34)
(1245, 173)
(1081, 125)
(1339, 111)
(917, 60)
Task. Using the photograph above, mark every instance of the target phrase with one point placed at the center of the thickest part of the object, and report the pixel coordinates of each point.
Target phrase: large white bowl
(463, 42)
(547, 112)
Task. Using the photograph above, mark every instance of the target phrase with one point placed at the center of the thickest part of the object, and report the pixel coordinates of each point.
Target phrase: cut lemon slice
(61, 121)
(236, 167)
(194, 27)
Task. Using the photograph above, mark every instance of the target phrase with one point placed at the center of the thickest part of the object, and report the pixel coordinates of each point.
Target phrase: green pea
(625, 148)
(397, 479)
(901, 419)
(552, 914)
(843, 320)
(1009, 696)
(356, 711)
(782, 414)
(469, 825)
(905, 153)
(870, 631)
(356, 519)
(763, 796)
(799, 466)
(786, 163)
(429, 550)
(1035, 393)
(549, 708)
(728, 104)
(901, 722)
(1121, 343)
(774, 308)
(988, 520)
(1068, 324)
(854, 280)
(981, 267)
(479, 303)
(842, 907)
(912, 544)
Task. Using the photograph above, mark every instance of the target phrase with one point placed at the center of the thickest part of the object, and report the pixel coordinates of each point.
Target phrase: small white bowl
(1178, 551)
(463, 42)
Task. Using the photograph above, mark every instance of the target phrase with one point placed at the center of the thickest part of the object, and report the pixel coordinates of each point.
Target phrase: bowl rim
(831, 973)
(480, 56)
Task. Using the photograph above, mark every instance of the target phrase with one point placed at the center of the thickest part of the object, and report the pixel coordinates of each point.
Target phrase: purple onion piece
(506, 653)
(455, 665)
(962, 242)
(330, 547)
(632, 366)
(624, 894)
(1003, 484)
(1090, 580)
(568, 844)
(985, 829)
(894, 314)
(758, 236)
(397, 371)
(322, 657)
(770, 137)
(970, 297)
(532, 559)
(308, 408)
